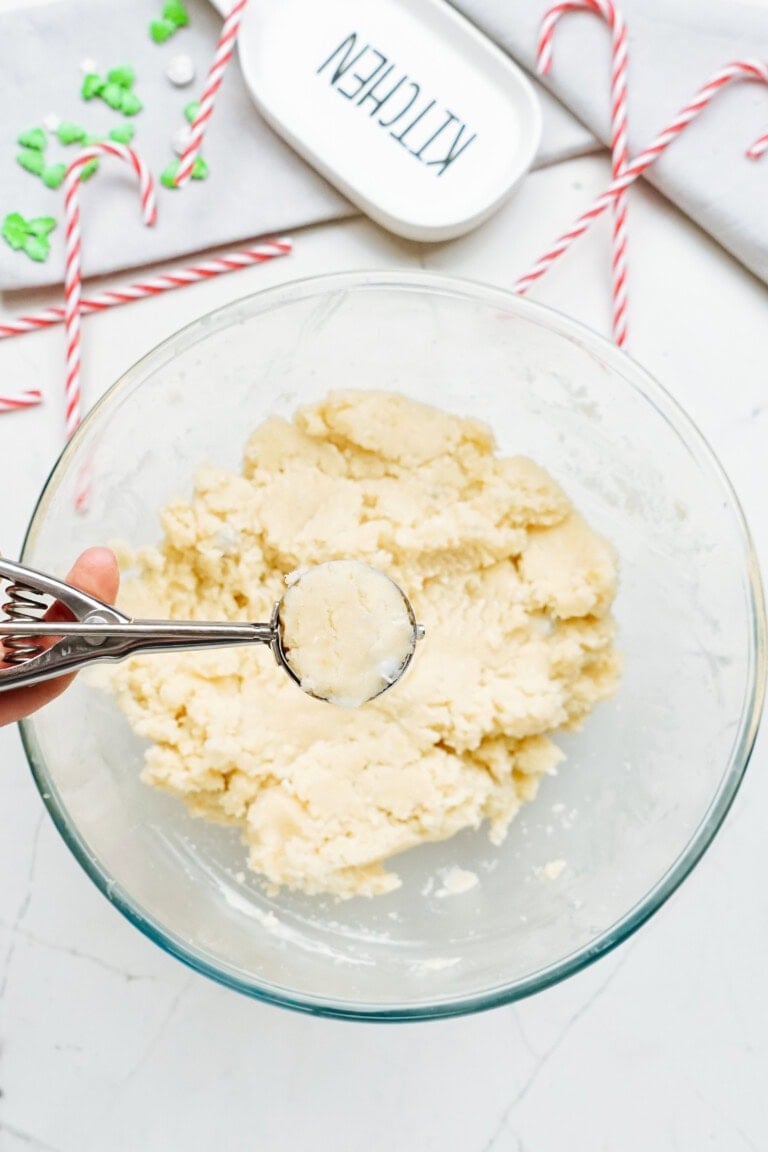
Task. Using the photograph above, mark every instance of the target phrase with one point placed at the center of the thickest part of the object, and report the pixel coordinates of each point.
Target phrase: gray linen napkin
(256, 183)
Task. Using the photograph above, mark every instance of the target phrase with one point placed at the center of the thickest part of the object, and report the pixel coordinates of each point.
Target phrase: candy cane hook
(619, 147)
(738, 70)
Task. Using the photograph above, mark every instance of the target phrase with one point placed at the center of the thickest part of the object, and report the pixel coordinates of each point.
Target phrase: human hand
(95, 572)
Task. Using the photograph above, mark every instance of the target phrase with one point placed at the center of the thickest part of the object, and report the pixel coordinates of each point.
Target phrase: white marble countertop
(108, 1045)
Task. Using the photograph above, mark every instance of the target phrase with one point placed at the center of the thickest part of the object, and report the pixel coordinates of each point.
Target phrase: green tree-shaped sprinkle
(31, 161)
(28, 236)
(53, 175)
(175, 11)
(69, 133)
(34, 138)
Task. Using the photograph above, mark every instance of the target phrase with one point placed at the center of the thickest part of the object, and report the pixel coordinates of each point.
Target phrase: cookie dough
(346, 631)
(513, 587)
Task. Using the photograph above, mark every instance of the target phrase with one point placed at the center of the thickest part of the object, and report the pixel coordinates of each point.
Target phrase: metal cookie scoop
(35, 649)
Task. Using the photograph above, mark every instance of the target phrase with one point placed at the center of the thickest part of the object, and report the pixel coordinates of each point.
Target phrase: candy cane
(14, 402)
(72, 273)
(759, 148)
(739, 70)
(128, 293)
(619, 148)
(224, 51)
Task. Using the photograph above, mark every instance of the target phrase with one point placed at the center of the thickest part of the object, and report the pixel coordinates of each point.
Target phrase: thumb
(95, 572)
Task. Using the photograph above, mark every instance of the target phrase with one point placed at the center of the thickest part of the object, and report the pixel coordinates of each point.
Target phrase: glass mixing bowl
(646, 783)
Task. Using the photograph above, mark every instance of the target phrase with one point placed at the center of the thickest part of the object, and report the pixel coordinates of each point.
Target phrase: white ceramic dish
(402, 105)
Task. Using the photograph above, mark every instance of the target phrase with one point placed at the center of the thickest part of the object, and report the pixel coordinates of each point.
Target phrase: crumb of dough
(456, 882)
(514, 590)
(553, 868)
(346, 631)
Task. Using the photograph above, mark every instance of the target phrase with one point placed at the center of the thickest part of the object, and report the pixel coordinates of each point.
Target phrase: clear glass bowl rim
(655, 394)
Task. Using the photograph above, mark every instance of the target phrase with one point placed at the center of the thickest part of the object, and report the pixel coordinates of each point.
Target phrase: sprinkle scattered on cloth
(256, 183)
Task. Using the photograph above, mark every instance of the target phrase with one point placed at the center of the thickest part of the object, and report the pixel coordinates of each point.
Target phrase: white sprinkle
(51, 121)
(553, 868)
(180, 71)
(88, 65)
(456, 881)
(181, 139)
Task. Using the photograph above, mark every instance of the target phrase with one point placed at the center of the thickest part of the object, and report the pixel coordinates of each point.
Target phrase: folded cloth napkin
(257, 184)
(675, 46)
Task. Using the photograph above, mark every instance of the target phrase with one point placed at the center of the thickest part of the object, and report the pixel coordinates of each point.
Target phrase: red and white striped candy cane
(72, 273)
(619, 147)
(738, 70)
(153, 286)
(224, 51)
(16, 401)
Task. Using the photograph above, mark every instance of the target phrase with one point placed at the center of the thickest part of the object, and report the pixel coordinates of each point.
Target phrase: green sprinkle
(191, 110)
(15, 230)
(53, 175)
(88, 169)
(175, 12)
(36, 248)
(32, 161)
(130, 104)
(113, 94)
(92, 86)
(29, 236)
(161, 30)
(69, 133)
(41, 226)
(35, 138)
(116, 91)
(168, 174)
(199, 169)
(123, 75)
(123, 134)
